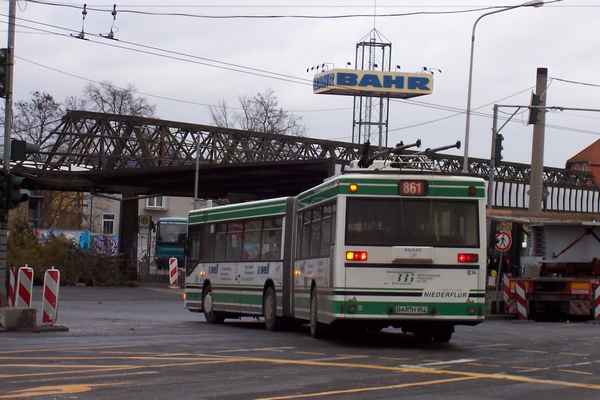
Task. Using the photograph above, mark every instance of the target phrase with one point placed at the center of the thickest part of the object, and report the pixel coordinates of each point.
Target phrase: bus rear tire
(211, 316)
(270, 309)
(443, 335)
(317, 329)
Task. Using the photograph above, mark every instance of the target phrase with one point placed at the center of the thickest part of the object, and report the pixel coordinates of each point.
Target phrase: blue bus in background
(171, 235)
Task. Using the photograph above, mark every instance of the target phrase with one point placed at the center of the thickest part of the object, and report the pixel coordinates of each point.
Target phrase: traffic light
(14, 194)
(533, 112)
(498, 147)
(3, 71)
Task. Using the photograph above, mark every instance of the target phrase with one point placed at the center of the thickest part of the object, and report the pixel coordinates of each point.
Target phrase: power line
(576, 82)
(174, 99)
(270, 16)
(104, 43)
(212, 60)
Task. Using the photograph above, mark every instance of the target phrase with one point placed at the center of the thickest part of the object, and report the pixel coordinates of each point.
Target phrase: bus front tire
(270, 309)
(211, 316)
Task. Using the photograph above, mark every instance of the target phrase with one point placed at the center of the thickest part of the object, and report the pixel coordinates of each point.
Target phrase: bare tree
(108, 98)
(35, 118)
(222, 116)
(260, 113)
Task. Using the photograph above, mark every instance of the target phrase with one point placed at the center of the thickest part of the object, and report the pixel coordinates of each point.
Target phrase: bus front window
(172, 233)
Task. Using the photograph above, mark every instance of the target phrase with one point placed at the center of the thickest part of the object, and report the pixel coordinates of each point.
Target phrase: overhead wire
(272, 16)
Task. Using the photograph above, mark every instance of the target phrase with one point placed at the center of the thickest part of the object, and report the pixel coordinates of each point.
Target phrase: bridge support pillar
(128, 235)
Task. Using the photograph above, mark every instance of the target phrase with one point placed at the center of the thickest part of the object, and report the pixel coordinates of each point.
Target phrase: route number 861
(412, 188)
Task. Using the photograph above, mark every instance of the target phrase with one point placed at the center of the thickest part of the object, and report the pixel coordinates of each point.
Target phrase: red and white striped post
(50, 297)
(509, 301)
(173, 272)
(521, 300)
(12, 286)
(24, 287)
(597, 302)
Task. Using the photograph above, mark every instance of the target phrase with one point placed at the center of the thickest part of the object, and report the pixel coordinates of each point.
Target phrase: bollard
(50, 297)
(173, 272)
(24, 287)
(521, 300)
(597, 303)
(12, 284)
(509, 302)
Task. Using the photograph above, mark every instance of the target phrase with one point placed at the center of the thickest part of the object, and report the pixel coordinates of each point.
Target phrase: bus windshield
(171, 233)
(412, 222)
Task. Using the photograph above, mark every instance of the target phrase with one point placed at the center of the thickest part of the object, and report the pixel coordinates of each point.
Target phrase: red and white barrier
(24, 287)
(50, 296)
(521, 300)
(597, 302)
(173, 271)
(507, 295)
(12, 286)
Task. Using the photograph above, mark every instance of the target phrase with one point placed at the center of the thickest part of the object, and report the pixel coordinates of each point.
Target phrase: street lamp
(531, 3)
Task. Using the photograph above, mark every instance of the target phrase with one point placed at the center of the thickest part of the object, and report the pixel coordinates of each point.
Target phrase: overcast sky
(563, 37)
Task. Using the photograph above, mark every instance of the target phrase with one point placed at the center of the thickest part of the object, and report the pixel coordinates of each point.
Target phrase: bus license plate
(404, 309)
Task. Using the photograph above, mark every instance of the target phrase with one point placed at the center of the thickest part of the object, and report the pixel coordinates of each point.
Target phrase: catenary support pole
(536, 182)
(12, 10)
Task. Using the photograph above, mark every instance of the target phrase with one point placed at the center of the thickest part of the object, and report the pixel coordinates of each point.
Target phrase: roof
(589, 154)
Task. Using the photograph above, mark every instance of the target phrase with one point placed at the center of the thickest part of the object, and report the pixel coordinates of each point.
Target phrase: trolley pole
(536, 182)
(8, 85)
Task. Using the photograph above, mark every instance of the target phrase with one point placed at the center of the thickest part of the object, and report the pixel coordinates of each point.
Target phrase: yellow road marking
(99, 376)
(66, 366)
(574, 354)
(56, 390)
(149, 366)
(81, 358)
(310, 353)
(66, 349)
(574, 371)
(424, 370)
(368, 389)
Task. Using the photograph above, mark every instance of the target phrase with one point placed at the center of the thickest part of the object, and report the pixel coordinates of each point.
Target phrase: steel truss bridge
(124, 154)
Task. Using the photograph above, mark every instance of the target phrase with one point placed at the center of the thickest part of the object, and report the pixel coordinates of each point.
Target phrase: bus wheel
(316, 328)
(270, 309)
(443, 335)
(210, 314)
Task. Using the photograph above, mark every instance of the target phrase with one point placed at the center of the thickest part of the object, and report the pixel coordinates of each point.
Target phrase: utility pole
(10, 59)
(536, 180)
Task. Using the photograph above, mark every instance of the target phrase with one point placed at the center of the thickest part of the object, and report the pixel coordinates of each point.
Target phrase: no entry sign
(503, 241)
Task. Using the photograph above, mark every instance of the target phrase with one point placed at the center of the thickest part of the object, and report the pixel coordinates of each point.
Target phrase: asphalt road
(127, 343)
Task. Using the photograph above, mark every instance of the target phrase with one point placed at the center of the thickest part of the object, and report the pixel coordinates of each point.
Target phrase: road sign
(503, 241)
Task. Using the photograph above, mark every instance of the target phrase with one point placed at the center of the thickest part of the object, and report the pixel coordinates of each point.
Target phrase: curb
(496, 317)
(55, 328)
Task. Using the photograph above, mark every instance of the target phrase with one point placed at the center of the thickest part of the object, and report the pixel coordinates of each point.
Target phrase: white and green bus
(374, 247)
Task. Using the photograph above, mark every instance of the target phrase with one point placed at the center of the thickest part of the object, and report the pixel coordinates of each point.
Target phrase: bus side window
(306, 215)
(271, 239)
(315, 235)
(234, 241)
(299, 235)
(251, 246)
(326, 231)
(220, 242)
(207, 243)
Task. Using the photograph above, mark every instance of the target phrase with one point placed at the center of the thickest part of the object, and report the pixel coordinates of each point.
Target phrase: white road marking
(440, 363)
(491, 346)
(533, 351)
(256, 349)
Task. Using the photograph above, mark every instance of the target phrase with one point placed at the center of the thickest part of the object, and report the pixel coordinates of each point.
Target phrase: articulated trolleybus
(378, 246)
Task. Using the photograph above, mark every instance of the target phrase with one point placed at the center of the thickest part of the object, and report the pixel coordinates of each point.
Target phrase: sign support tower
(370, 115)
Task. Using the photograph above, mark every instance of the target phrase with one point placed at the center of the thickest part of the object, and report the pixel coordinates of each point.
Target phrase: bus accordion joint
(467, 258)
(357, 256)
